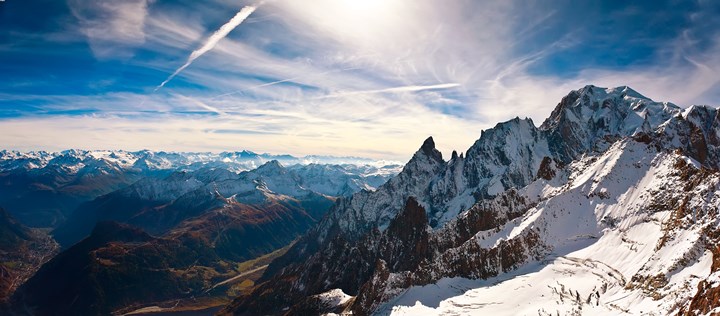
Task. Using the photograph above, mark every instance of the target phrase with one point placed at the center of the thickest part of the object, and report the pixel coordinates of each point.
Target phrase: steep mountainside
(610, 181)
(189, 231)
(22, 252)
(628, 231)
(119, 266)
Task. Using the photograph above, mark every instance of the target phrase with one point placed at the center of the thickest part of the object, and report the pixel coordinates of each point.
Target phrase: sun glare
(364, 6)
(358, 21)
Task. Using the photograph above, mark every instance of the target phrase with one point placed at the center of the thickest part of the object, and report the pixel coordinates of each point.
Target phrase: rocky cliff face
(521, 194)
(628, 230)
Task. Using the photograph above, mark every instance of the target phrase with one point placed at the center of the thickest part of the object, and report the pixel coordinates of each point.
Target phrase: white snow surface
(605, 239)
(332, 299)
(507, 155)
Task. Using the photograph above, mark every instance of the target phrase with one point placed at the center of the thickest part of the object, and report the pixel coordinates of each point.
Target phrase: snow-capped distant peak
(146, 160)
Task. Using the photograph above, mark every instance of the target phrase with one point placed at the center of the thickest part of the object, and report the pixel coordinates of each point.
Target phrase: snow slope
(613, 250)
(613, 195)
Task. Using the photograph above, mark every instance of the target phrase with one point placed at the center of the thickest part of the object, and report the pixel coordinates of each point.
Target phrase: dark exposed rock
(405, 242)
(367, 300)
(707, 296)
(698, 147)
(405, 246)
(345, 264)
(546, 170)
(428, 147)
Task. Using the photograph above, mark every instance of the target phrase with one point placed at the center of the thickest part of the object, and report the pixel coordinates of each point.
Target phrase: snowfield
(609, 207)
(607, 245)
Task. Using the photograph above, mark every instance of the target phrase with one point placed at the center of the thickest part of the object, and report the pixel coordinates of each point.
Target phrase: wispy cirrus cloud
(202, 105)
(112, 27)
(355, 77)
(413, 88)
(317, 127)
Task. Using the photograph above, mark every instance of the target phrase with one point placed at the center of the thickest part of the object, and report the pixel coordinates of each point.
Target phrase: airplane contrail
(210, 43)
(202, 105)
(255, 87)
(282, 81)
(394, 90)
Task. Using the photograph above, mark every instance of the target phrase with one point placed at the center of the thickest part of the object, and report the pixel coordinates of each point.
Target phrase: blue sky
(341, 77)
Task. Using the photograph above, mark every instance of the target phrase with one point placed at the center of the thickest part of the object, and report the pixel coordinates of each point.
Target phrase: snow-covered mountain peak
(506, 156)
(72, 156)
(620, 91)
(73, 152)
(703, 116)
(272, 167)
(593, 102)
(428, 149)
(591, 117)
(503, 129)
(612, 182)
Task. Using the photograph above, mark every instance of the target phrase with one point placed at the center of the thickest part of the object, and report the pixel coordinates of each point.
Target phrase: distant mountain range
(157, 204)
(144, 228)
(75, 160)
(42, 188)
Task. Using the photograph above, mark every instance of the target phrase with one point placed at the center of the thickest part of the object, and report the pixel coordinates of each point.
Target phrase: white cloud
(413, 88)
(202, 105)
(375, 127)
(113, 28)
(330, 78)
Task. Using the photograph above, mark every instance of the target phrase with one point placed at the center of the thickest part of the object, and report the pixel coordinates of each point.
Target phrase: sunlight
(364, 6)
(363, 22)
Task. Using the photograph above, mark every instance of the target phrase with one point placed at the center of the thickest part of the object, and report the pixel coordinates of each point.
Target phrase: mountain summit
(614, 189)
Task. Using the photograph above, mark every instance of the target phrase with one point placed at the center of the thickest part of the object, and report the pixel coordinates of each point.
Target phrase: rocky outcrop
(347, 264)
(406, 241)
(546, 170)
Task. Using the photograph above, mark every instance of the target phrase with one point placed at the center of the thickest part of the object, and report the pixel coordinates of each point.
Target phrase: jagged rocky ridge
(493, 210)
